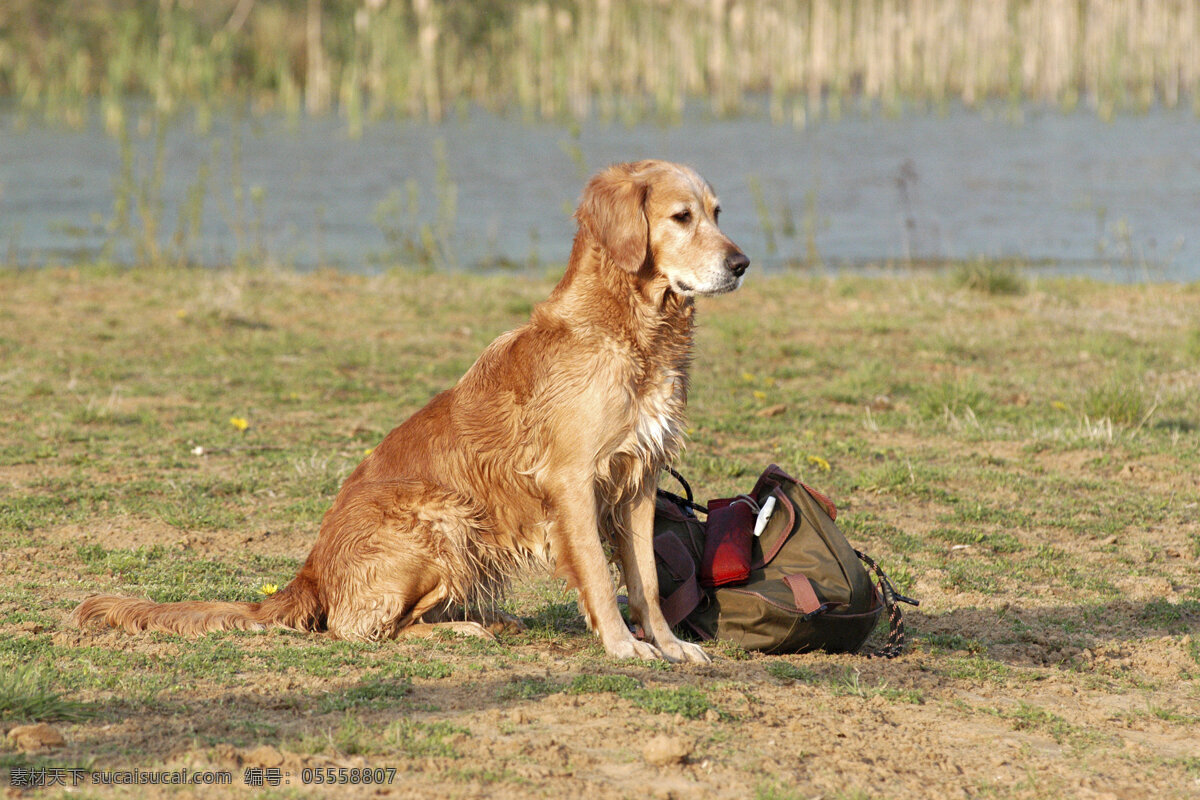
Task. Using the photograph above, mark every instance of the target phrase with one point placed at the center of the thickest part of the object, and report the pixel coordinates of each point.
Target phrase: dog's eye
(683, 217)
(716, 213)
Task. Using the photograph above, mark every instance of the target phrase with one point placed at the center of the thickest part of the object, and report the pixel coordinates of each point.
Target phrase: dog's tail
(295, 606)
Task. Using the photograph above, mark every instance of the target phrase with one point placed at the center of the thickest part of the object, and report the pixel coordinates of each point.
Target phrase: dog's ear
(613, 211)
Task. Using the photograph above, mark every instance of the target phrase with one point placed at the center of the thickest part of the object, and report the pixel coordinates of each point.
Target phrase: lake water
(1065, 192)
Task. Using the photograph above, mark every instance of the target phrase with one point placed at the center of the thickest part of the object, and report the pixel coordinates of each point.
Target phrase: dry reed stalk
(600, 57)
(427, 40)
(318, 84)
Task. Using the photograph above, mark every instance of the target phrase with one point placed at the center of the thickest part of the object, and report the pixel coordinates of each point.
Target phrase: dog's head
(658, 218)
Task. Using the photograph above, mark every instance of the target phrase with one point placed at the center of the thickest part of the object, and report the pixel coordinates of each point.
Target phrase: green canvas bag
(771, 571)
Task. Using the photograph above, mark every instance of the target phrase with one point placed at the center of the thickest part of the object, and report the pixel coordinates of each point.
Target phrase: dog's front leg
(581, 560)
(641, 580)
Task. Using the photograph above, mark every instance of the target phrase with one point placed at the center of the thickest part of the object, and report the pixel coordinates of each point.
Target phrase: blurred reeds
(585, 58)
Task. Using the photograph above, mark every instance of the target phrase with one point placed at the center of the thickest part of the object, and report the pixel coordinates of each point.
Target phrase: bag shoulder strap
(675, 557)
(896, 639)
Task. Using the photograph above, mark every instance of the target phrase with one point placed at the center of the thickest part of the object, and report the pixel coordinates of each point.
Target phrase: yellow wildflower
(268, 589)
(819, 463)
(240, 423)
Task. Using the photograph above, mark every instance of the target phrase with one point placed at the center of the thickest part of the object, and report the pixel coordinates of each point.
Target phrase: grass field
(1021, 454)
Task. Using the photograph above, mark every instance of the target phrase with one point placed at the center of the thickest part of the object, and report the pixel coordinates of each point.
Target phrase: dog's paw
(502, 623)
(632, 648)
(469, 629)
(683, 652)
(475, 630)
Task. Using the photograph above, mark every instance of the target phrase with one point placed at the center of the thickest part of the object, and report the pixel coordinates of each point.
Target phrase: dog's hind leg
(427, 630)
(485, 613)
(430, 613)
(393, 554)
(392, 615)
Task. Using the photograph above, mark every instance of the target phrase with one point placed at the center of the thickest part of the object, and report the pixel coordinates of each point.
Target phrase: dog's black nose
(737, 263)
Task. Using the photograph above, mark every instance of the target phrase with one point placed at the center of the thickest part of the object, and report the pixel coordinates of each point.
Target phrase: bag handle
(687, 503)
(894, 645)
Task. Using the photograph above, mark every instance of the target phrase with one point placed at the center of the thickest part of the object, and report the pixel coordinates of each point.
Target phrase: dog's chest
(659, 417)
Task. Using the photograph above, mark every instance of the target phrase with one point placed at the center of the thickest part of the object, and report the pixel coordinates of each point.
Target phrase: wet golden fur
(550, 445)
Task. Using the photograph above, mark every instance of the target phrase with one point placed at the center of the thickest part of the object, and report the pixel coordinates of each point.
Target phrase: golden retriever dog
(547, 449)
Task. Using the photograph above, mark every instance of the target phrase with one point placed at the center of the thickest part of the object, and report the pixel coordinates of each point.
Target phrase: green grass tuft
(790, 672)
(685, 700)
(555, 619)
(1172, 616)
(990, 277)
(168, 575)
(429, 670)
(997, 542)
(414, 738)
(372, 693)
(1120, 400)
(617, 684)
(527, 689)
(773, 790)
(952, 641)
(409, 738)
(26, 696)
(951, 397)
(1030, 717)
